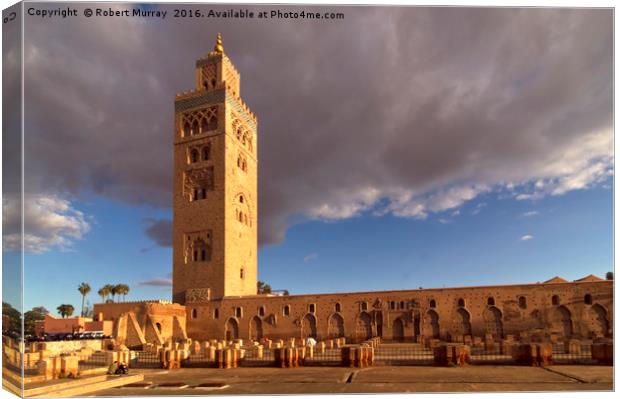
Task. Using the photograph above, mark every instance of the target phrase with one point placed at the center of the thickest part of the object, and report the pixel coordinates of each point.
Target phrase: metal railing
(577, 354)
(403, 354)
(145, 360)
(96, 360)
(330, 357)
(494, 354)
(199, 359)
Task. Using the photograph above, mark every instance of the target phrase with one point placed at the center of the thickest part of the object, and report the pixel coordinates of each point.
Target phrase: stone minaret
(215, 186)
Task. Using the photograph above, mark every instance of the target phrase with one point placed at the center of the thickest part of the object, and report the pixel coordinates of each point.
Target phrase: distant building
(54, 325)
(215, 258)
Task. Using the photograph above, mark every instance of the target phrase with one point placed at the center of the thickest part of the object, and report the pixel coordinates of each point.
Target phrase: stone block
(69, 366)
(572, 346)
(533, 354)
(451, 354)
(603, 353)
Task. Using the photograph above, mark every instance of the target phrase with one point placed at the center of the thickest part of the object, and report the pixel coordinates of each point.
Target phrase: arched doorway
(363, 327)
(599, 324)
(308, 326)
(232, 329)
(416, 325)
(398, 330)
(493, 322)
(256, 328)
(335, 326)
(432, 323)
(562, 321)
(464, 323)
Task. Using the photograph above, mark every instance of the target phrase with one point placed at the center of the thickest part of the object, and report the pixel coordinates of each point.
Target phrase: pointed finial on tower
(218, 44)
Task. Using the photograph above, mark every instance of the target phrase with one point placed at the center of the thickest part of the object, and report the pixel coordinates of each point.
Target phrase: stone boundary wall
(54, 348)
(580, 309)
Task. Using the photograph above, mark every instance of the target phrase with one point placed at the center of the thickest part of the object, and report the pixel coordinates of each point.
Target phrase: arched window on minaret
(213, 83)
(206, 153)
(187, 129)
(195, 127)
(212, 123)
(202, 251)
(194, 155)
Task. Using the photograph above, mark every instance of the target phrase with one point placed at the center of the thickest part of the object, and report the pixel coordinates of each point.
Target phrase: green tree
(609, 276)
(263, 288)
(31, 316)
(65, 310)
(84, 289)
(14, 317)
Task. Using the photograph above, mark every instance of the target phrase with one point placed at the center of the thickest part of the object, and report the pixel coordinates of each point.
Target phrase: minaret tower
(215, 186)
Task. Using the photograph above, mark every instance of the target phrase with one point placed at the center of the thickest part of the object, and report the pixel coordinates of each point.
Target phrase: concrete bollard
(259, 351)
(212, 353)
(278, 356)
(321, 348)
(572, 346)
(309, 352)
(301, 354)
(330, 344)
(347, 356)
(533, 354)
(451, 354)
(506, 348)
(291, 342)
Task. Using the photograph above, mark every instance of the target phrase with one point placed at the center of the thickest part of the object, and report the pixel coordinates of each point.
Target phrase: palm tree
(103, 293)
(65, 310)
(115, 291)
(110, 288)
(122, 289)
(84, 289)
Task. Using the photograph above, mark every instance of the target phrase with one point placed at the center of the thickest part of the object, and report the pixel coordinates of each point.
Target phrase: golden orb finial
(218, 44)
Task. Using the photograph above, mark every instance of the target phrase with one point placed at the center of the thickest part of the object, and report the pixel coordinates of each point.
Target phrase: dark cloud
(160, 231)
(421, 109)
(157, 282)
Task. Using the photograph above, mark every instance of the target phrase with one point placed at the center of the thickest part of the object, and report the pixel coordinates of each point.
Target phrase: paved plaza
(267, 380)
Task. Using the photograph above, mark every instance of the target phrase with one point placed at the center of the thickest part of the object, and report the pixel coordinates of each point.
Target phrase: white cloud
(49, 221)
(530, 213)
(311, 257)
(346, 205)
(527, 237)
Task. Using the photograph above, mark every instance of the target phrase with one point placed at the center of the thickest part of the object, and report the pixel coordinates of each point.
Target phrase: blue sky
(470, 146)
(481, 245)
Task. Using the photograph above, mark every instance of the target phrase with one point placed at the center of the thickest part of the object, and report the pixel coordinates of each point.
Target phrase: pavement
(393, 379)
